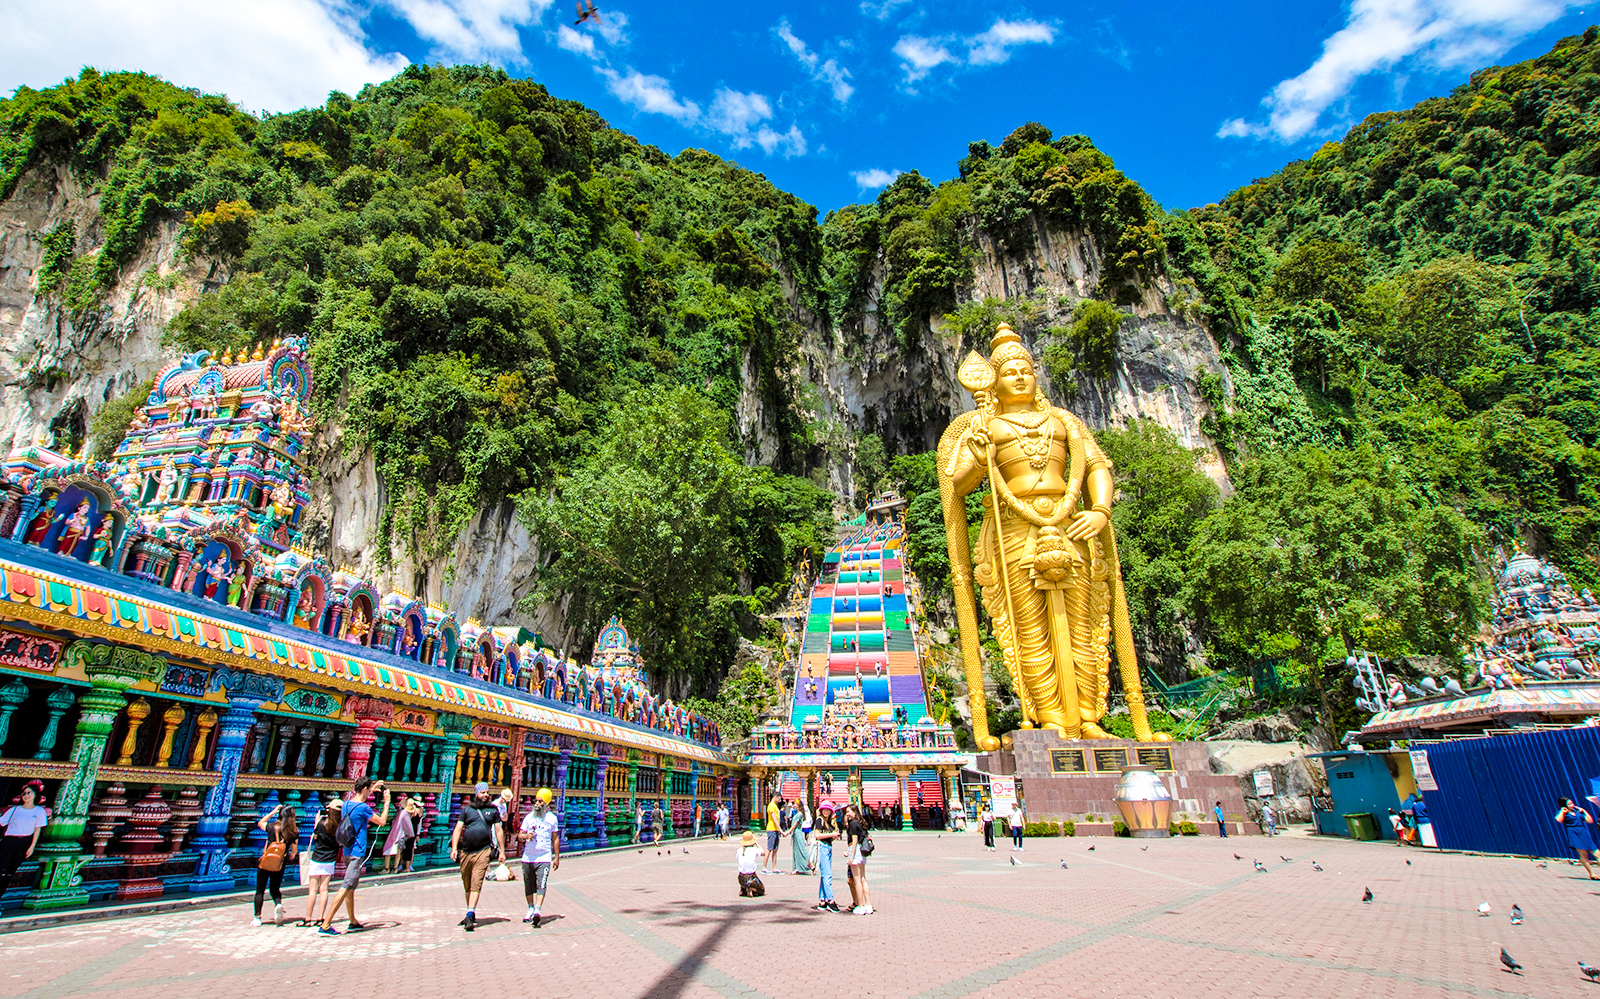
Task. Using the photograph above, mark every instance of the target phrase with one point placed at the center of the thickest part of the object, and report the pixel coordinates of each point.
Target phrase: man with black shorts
(541, 853)
(351, 834)
(475, 843)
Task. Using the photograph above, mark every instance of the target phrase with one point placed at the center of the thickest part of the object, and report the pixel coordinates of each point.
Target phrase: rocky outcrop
(1283, 762)
(56, 368)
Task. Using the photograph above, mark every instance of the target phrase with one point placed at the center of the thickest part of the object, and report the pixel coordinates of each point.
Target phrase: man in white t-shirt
(541, 853)
(22, 823)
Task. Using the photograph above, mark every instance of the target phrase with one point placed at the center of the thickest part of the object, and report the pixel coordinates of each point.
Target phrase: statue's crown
(1007, 346)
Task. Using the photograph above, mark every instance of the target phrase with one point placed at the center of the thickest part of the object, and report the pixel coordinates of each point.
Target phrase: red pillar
(369, 713)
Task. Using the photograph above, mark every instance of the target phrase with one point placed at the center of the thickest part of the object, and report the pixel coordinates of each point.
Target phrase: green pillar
(112, 670)
(453, 728)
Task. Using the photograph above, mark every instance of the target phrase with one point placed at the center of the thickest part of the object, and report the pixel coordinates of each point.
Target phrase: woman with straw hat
(749, 857)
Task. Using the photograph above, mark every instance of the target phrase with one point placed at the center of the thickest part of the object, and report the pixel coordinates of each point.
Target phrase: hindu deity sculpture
(100, 553)
(359, 626)
(41, 523)
(74, 528)
(303, 617)
(1047, 556)
(216, 570)
(236, 586)
(169, 482)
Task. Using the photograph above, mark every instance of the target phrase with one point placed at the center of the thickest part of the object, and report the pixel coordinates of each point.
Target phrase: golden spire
(257, 355)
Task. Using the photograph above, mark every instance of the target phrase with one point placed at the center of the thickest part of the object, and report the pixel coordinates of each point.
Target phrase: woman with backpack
(283, 842)
(317, 869)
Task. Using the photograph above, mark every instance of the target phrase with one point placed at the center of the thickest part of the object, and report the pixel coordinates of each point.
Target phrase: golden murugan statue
(1047, 557)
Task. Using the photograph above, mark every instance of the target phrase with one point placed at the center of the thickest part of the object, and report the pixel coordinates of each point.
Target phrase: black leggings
(265, 881)
(13, 850)
(988, 834)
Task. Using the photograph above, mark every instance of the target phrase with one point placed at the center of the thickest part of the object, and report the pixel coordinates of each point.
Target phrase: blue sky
(829, 100)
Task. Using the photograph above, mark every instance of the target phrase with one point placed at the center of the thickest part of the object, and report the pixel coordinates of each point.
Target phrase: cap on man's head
(482, 787)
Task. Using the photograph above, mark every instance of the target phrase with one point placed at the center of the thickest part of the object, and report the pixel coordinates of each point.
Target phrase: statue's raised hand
(978, 441)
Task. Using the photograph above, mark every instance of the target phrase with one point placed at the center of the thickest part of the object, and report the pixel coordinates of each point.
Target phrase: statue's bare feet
(1093, 731)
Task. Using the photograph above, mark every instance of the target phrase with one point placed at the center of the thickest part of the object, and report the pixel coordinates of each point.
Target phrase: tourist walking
(1017, 823)
(748, 856)
(638, 826)
(769, 858)
(827, 830)
(317, 868)
(858, 846)
(283, 842)
(541, 853)
(658, 823)
(402, 832)
(1269, 819)
(358, 818)
(799, 832)
(723, 814)
(475, 843)
(986, 817)
(1222, 821)
(697, 808)
(1576, 822)
(22, 823)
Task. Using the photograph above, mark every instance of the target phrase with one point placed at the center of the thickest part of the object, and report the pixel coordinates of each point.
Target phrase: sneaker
(256, 921)
(471, 922)
(529, 917)
(870, 910)
(536, 918)
(327, 931)
(860, 910)
(821, 907)
(277, 913)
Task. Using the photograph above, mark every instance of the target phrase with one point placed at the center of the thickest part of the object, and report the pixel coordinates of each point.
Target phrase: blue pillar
(246, 693)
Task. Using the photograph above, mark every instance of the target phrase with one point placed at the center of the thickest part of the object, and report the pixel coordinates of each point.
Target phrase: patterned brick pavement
(1181, 918)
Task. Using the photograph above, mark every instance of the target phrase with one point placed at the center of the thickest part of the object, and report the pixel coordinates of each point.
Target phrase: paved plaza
(1181, 918)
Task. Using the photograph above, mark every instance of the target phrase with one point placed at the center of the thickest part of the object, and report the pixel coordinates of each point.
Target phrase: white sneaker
(256, 921)
(859, 910)
(277, 913)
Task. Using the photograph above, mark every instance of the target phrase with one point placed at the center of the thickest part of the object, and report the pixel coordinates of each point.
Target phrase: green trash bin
(1361, 825)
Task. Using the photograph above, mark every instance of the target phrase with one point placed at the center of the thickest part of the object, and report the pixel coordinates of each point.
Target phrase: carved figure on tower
(216, 571)
(1047, 556)
(73, 528)
(41, 523)
(100, 554)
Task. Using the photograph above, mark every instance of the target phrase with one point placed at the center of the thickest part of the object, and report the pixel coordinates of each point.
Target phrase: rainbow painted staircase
(858, 721)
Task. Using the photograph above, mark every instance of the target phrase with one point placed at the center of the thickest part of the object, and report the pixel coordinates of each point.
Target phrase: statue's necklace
(1034, 436)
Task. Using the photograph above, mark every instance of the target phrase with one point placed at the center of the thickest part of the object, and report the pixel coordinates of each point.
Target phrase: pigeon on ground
(1144, 849)
(658, 853)
(1484, 910)
(1592, 973)
(1259, 866)
(1063, 865)
(1316, 866)
(1516, 915)
(1408, 863)
(1013, 861)
(685, 851)
(1543, 864)
(1511, 965)
(1237, 857)
(1286, 860)
(1366, 895)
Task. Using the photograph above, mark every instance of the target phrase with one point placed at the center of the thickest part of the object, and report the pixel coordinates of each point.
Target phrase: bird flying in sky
(591, 13)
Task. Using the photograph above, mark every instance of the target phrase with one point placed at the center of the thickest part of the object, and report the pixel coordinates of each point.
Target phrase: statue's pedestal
(1075, 779)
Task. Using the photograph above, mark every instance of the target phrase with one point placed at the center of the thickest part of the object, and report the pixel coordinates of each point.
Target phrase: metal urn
(1144, 801)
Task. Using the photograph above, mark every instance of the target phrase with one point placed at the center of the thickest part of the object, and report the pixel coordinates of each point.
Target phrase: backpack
(867, 846)
(345, 835)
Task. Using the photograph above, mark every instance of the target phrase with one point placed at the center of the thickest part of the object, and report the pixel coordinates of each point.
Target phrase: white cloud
(831, 73)
(734, 114)
(296, 50)
(883, 9)
(919, 56)
(613, 28)
(1380, 35)
(576, 41)
(651, 94)
(994, 46)
(792, 142)
(742, 118)
(471, 29)
(871, 180)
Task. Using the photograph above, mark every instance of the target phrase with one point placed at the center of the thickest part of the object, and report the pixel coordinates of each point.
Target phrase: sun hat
(828, 805)
(748, 839)
(544, 795)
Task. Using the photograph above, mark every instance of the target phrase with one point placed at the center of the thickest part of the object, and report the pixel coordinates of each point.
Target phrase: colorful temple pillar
(516, 763)
(563, 764)
(369, 713)
(246, 693)
(453, 728)
(902, 777)
(111, 670)
(602, 766)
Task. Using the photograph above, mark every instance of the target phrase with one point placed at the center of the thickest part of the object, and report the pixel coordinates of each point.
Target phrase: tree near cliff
(661, 523)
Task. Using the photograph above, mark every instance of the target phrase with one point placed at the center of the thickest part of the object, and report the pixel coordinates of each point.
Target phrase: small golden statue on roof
(1047, 556)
